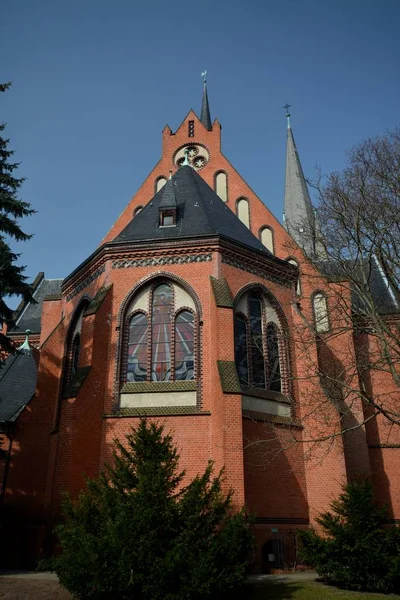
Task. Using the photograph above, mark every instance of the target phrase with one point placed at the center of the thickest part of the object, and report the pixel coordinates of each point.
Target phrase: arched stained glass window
(274, 369)
(161, 317)
(137, 348)
(241, 358)
(257, 353)
(76, 348)
(184, 346)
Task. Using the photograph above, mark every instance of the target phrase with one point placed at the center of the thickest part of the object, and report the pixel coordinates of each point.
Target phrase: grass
(278, 589)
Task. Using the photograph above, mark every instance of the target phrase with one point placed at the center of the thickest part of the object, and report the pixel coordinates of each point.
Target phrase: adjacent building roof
(200, 212)
(18, 376)
(28, 316)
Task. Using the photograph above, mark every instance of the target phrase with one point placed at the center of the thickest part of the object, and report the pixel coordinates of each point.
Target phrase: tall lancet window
(321, 317)
(184, 346)
(259, 349)
(161, 333)
(137, 348)
(243, 211)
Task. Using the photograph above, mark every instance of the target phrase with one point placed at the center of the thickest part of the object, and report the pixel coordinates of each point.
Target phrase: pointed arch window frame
(282, 348)
(222, 172)
(71, 361)
(271, 230)
(317, 319)
(175, 312)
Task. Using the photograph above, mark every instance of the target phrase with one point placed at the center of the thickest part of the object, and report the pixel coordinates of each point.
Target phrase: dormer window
(167, 218)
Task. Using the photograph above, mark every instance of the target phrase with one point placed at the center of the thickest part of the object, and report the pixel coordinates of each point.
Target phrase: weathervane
(204, 75)
(286, 107)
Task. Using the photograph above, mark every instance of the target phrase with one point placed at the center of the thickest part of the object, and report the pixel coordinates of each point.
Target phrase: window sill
(265, 394)
(158, 394)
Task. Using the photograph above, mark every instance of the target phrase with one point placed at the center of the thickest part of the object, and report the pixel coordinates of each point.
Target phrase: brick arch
(154, 279)
(285, 344)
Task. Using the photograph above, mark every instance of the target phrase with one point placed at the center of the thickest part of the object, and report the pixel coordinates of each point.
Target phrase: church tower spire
(299, 219)
(205, 116)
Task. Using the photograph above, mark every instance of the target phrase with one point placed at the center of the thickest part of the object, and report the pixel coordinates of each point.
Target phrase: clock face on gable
(198, 156)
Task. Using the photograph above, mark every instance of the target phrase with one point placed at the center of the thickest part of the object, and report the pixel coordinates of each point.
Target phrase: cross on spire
(286, 107)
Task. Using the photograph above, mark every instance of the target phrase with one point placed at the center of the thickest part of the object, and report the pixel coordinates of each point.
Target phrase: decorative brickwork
(222, 293)
(256, 270)
(228, 377)
(161, 261)
(86, 282)
(158, 386)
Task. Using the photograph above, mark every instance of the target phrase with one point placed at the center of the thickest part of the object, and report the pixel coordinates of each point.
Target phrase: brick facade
(271, 462)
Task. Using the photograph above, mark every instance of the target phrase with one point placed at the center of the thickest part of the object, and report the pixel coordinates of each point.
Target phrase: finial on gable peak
(286, 107)
(25, 347)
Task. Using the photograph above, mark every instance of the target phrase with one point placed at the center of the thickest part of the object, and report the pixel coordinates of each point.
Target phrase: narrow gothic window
(243, 211)
(298, 286)
(241, 359)
(221, 186)
(161, 333)
(137, 348)
(184, 346)
(257, 354)
(267, 239)
(320, 313)
(160, 182)
(76, 347)
(258, 349)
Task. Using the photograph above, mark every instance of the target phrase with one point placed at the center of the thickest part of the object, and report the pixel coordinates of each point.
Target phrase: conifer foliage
(12, 280)
(356, 551)
(137, 533)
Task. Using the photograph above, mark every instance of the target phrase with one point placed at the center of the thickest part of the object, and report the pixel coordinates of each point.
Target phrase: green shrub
(136, 533)
(356, 552)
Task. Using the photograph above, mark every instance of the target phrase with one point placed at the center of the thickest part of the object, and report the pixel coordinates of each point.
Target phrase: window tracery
(258, 345)
(160, 337)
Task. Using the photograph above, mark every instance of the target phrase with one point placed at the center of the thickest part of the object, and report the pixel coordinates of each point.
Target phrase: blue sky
(95, 81)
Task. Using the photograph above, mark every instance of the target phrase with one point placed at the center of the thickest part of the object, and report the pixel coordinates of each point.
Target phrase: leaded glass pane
(161, 333)
(137, 348)
(257, 354)
(76, 348)
(274, 369)
(241, 359)
(184, 346)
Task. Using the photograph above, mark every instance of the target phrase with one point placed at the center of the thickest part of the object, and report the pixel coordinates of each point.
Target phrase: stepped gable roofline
(191, 113)
(200, 212)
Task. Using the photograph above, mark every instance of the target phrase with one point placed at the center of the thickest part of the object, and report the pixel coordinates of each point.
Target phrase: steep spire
(299, 217)
(205, 116)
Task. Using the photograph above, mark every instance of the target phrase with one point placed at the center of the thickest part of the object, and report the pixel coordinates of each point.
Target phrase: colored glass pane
(184, 346)
(241, 359)
(161, 333)
(137, 348)
(257, 354)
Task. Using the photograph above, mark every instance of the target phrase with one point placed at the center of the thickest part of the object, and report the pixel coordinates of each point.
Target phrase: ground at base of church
(37, 586)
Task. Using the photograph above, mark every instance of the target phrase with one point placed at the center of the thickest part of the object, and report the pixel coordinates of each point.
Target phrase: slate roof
(18, 376)
(29, 316)
(366, 278)
(200, 212)
(205, 116)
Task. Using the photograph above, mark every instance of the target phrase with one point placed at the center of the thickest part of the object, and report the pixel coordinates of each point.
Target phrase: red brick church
(198, 308)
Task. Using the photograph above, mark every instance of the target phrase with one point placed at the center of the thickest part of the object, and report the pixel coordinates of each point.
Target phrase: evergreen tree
(355, 552)
(137, 533)
(12, 280)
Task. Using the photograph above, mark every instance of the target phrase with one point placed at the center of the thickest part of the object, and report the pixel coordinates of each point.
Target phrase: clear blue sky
(95, 81)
